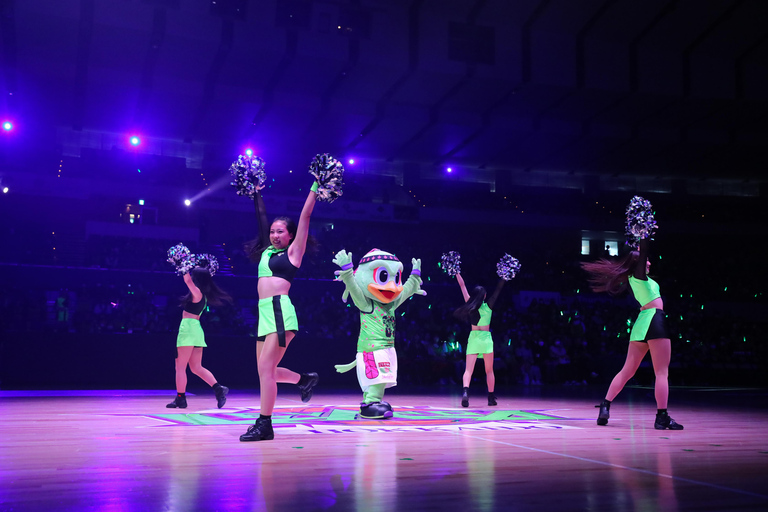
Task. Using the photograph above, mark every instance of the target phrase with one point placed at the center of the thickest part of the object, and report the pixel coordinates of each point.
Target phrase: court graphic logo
(340, 419)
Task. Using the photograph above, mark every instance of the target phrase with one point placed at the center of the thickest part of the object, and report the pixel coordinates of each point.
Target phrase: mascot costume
(377, 289)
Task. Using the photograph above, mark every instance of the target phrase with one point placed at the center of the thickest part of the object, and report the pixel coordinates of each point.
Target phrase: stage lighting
(187, 202)
(5, 190)
(248, 152)
(449, 169)
(7, 126)
(141, 202)
(135, 141)
(351, 161)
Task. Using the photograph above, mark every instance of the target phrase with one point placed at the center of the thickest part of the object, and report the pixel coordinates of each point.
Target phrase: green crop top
(275, 263)
(485, 315)
(644, 290)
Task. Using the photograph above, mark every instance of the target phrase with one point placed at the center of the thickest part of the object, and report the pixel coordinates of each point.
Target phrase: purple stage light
(187, 202)
(5, 190)
(7, 126)
(351, 161)
(135, 141)
(450, 169)
(249, 152)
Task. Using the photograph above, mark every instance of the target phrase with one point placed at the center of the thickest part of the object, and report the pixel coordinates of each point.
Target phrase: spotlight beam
(216, 185)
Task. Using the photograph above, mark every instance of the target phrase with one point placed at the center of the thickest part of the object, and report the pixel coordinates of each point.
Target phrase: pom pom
(180, 257)
(507, 267)
(640, 223)
(329, 174)
(451, 263)
(178, 254)
(247, 175)
(207, 262)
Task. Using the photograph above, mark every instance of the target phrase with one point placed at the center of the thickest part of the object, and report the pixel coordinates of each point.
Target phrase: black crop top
(196, 308)
(276, 264)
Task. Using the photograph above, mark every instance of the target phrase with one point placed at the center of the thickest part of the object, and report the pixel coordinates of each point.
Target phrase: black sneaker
(180, 402)
(465, 398)
(306, 389)
(221, 396)
(259, 431)
(663, 421)
(604, 414)
(376, 411)
(491, 399)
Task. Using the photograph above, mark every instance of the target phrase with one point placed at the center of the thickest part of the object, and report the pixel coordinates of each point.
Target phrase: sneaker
(465, 398)
(221, 396)
(180, 402)
(306, 389)
(259, 431)
(375, 411)
(604, 414)
(491, 399)
(663, 421)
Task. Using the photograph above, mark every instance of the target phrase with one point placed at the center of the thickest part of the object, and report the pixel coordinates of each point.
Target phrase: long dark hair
(468, 312)
(611, 276)
(254, 248)
(212, 293)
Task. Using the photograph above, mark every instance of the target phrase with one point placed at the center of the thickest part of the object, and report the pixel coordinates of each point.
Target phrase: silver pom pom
(247, 175)
(207, 262)
(329, 174)
(177, 253)
(507, 267)
(180, 257)
(451, 263)
(640, 222)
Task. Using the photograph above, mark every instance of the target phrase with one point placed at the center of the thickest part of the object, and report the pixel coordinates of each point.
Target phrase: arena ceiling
(662, 88)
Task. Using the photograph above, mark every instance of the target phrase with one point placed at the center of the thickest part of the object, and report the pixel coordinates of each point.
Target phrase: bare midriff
(654, 304)
(271, 286)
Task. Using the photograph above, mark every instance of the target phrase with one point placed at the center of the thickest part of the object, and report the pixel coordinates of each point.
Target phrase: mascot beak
(385, 294)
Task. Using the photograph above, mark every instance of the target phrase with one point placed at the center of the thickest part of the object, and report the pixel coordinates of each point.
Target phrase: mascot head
(380, 275)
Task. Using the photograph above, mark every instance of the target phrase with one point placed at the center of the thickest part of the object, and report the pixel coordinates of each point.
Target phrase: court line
(618, 466)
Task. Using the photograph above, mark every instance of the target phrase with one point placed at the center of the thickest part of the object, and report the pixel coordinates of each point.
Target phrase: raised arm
(412, 285)
(496, 292)
(197, 295)
(463, 287)
(261, 217)
(639, 272)
(347, 275)
(299, 246)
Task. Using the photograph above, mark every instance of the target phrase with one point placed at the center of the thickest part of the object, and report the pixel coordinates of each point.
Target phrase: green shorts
(479, 342)
(190, 334)
(277, 314)
(651, 324)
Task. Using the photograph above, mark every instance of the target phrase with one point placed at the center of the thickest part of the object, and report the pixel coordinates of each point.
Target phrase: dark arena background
(486, 127)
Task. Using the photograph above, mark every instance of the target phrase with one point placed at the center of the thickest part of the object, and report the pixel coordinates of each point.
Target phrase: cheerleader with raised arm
(198, 271)
(649, 331)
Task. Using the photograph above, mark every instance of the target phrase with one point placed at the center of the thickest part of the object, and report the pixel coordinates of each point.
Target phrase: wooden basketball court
(123, 450)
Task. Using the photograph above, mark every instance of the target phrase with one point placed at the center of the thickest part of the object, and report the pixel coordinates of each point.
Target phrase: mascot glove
(343, 258)
(416, 264)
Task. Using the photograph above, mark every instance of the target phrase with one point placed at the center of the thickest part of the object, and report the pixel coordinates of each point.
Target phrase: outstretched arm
(261, 218)
(412, 286)
(299, 246)
(347, 275)
(463, 287)
(197, 295)
(495, 295)
(639, 272)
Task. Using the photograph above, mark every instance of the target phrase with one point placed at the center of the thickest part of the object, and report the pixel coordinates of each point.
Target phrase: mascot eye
(400, 278)
(381, 275)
